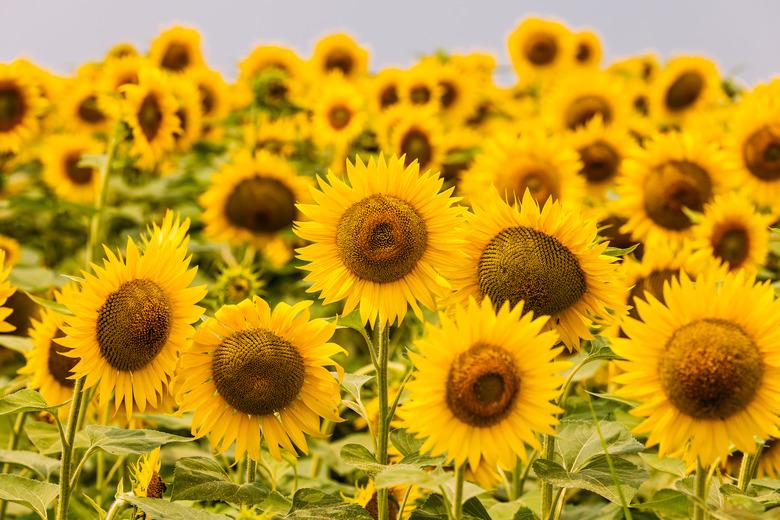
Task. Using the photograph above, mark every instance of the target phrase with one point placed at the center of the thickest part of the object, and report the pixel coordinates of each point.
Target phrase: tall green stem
(384, 420)
(67, 450)
(700, 491)
(116, 508)
(548, 451)
(457, 503)
(749, 468)
(13, 443)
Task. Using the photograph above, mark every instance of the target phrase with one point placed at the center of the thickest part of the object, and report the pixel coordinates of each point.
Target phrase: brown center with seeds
(684, 91)
(420, 94)
(416, 145)
(653, 284)
(339, 117)
(600, 162)
(482, 385)
(150, 116)
(60, 365)
(80, 175)
(389, 96)
(672, 187)
(176, 57)
(89, 111)
(261, 205)
(761, 153)
(585, 108)
(381, 238)
(521, 263)
(541, 49)
(583, 53)
(257, 372)
(133, 324)
(732, 245)
(12, 106)
(449, 94)
(711, 369)
(339, 60)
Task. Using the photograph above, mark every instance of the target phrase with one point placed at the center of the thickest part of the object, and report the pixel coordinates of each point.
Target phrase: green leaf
(119, 441)
(435, 509)
(315, 504)
(358, 455)
(161, 509)
(44, 466)
(595, 477)
(406, 474)
(351, 321)
(618, 251)
(578, 442)
(50, 304)
(668, 504)
(46, 438)
(168, 421)
(514, 510)
(30, 493)
(202, 478)
(16, 343)
(24, 401)
(664, 464)
(353, 384)
(409, 446)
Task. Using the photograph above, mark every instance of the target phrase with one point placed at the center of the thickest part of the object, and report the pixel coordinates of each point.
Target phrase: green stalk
(383, 344)
(67, 450)
(251, 470)
(700, 491)
(457, 505)
(548, 452)
(749, 467)
(13, 443)
(116, 509)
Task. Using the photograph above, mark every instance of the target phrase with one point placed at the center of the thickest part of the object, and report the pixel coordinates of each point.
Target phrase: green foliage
(33, 494)
(203, 479)
(161, 509)
(313, 504)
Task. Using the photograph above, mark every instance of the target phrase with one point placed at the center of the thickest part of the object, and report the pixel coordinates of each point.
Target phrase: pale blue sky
(743, 36)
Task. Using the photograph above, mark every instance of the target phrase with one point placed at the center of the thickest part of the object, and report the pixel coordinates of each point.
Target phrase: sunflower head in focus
(64, 171)
(583, 95)
(587, 48)
(704, 366)
(546, 165)
(547, 258)
(20, 105)
(379, 238)
(177, 49)
(684, 86)
(339, 53)
(601, 149)
(416, 135)
(252, 199)
(146, 476)
(672, 174)
(539, 49)
(132, 317)
(251, 368)
(11, 248)
(49, 369)
(483, 375)
(150, 109)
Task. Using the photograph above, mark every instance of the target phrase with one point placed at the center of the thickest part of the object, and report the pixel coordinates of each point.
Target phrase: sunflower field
(316, 290)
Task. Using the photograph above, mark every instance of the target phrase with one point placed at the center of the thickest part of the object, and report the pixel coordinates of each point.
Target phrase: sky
(742, 36)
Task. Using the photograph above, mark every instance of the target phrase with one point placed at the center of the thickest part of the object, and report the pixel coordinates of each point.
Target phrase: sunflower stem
(700, 491)
(749, 467)
(95, 225)
(548, 452)
(13, 443)
(116, 509)
(67, 450)
(457, 503)
(251, 470)
(383, 343)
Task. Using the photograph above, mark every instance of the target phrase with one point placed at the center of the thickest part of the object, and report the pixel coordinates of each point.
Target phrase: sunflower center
(381, 238)
(60, 365)
(482, 385)
(684, 91)
(12, 106)
(673, 186)
(156, 486)
(80, 175)
(600, 161)
(711, 369)
(133, 324)
(542, 49)
(653, 284)
(449, 94)
(89, 111)
(176, 57)
(416, 145)
(339, 60)
(732, 246)
(585, 108)
(181, 115)
(339, 117)
(540, 183)
(389, 96)
(420, 95)
(641, 104)
(257, 372)
(206, 99)
(523, 264)
(583, 53)
(150, 116)
(761, 153)
(261, 205)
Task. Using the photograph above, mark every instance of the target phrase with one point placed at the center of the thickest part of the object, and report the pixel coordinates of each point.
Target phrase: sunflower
(213, 92)
(6, 290)
(82, 109)
(674, 173)
(189, 112)
(20, 106)
(460, 147)
(252, 199)
(704, 366)
(250, 369)
(419, 87)
(580, 96)
(733, 233)
(132, 317)
(338, 114)
(121, 50)
(385, 89)
(540, 48)
(146, 476)
(275, 135)
(62, 168)
(483, 376)
(366, 497)
(11, 248)
(47, 366)
(587, 48)
(417, 135)
(753, 147)
(267, 57)
(118, 72)
(546, 165)
(644, 67)
(177, 49)
(769, 463)
(684, 86)
(601, 149)
(379, 240)
(548, 258)
(457, 92)
(339, 52)
(151, 112)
